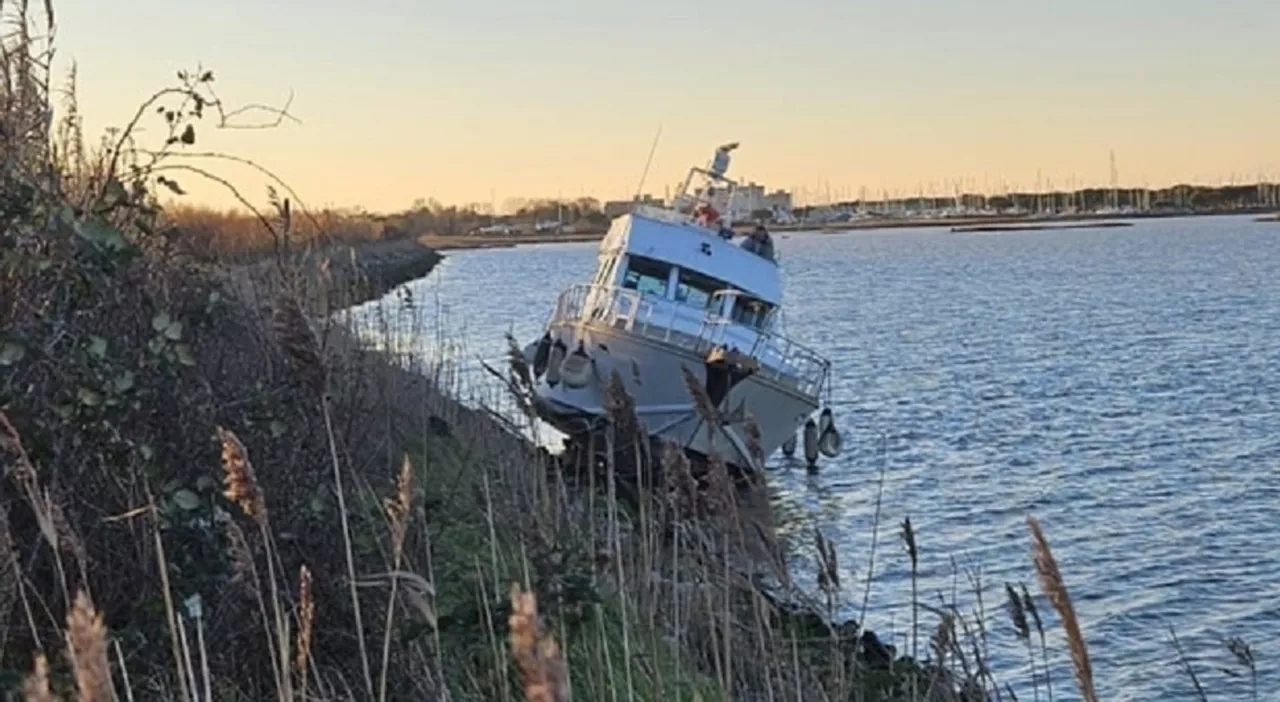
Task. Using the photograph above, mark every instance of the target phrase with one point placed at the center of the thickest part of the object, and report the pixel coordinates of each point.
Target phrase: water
(1119, 384)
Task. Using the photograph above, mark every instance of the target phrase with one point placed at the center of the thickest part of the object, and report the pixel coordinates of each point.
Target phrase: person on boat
(759, 242)
(705, 215)
(726, 232)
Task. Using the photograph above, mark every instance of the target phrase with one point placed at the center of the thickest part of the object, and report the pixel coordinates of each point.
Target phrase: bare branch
(133, 123)
(281, 114)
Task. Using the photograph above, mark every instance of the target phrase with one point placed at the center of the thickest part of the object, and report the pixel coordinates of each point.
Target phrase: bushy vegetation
(213, 490)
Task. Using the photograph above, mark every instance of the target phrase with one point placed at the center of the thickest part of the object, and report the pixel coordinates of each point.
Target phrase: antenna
(644, 175)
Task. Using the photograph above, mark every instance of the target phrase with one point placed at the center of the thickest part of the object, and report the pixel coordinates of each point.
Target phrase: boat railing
(780, 358)
(662, 214)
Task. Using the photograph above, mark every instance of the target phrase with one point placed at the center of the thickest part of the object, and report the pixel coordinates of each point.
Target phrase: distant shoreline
(1037, 226)
(479, 241)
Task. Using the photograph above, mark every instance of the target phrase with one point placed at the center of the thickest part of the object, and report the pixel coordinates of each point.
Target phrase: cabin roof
(665, 237)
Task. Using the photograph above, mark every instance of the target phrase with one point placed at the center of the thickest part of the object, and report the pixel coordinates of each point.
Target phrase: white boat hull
(650, 371)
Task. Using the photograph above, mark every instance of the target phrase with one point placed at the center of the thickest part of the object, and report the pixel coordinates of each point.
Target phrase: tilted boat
(674, 291)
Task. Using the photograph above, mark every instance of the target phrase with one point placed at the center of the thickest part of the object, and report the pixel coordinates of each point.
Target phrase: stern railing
(693, 329)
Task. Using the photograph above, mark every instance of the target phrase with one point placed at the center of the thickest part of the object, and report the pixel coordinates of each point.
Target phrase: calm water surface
(1120, 384)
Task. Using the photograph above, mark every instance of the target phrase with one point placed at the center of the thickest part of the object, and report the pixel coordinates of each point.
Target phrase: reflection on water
(1114, 382)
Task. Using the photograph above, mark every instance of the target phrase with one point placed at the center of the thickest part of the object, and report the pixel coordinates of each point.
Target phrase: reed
(542, 671)
(1051, 583)
(87, 643)
(306, 630)
(36, 687)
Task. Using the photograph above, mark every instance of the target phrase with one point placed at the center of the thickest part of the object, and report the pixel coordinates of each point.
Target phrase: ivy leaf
(185, 355)
(89, 398)
(188, 135)
(124, 382)
(173, 332)
(97, 231)
(186, 499)
(97, 347)
(114, 193)
(11, 352)
(161, 322)
(316, 505)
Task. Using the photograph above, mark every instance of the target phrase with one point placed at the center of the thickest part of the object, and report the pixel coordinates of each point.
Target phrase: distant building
(752, 197)
(617, 208)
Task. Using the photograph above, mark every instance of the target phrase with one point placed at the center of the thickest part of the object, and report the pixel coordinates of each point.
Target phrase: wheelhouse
(672, 281)
(662, 280)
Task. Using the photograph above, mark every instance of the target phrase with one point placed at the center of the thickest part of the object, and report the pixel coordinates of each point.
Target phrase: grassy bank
(214, 490)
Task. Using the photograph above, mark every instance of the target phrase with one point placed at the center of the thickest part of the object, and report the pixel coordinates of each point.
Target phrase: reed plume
(1056, 590)
(86, 634)
(681, 487)
(542, 670)
(8, 574)
(701, 400)
(242, 488)
(828, 567)
(397, 507)
(909, 540)
(68, 540)
(1244, 655)
(755, 440)
(87, 637)
(293, 333)
(719, 498)
(519, 367)
(20, 467)
(241, 484)
(244, 573)
(620, 406)
(1017, 613)
(306, 629)
(36, 687)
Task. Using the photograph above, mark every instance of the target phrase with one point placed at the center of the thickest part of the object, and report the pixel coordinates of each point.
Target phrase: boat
(686, 316)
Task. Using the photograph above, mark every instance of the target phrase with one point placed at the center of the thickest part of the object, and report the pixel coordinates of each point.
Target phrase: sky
(487, 100)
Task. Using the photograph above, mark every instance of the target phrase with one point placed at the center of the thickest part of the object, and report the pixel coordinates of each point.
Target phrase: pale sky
(464, 101)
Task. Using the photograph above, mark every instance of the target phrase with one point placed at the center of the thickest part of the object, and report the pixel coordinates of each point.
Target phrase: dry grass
(213, 234)
(137, 380)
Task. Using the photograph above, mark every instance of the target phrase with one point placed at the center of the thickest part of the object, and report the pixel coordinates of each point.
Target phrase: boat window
(647, 276)
(695, 289)
(751, 311)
